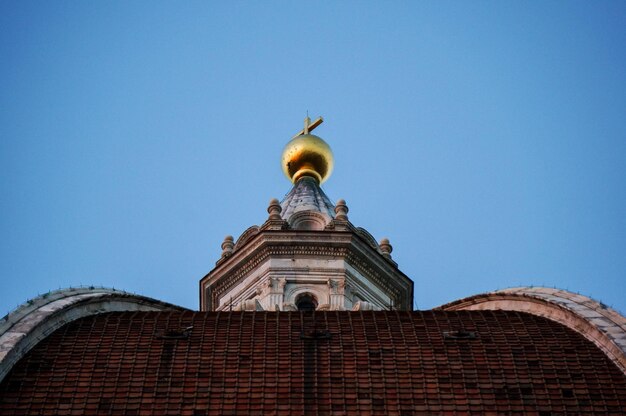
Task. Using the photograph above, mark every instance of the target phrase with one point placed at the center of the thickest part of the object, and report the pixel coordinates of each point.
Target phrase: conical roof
(306, 195)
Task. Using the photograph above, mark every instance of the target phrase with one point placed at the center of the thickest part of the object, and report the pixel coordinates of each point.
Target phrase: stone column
(276, 294)
(337, 290)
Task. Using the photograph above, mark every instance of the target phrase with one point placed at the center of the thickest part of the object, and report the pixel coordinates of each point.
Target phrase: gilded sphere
(307, 155)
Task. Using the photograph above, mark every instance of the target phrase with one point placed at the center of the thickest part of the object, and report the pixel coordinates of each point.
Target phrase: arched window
(306, 302)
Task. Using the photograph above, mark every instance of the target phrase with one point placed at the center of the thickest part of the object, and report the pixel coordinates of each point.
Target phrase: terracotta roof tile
(221, 363)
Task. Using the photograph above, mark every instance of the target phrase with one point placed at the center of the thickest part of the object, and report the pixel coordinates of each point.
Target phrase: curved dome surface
(322, 362)
(30, 323)
(600, 324)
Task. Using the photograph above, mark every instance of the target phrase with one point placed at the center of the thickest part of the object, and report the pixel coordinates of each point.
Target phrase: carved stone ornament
(246, 235)
(308, 220)
(362, 306)
(289, 307)
(336, 286)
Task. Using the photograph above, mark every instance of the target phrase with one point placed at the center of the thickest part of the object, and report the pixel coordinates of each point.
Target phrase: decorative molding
(354, 249)
(360, 287)
(229, 280)
(309, 220)
(246, 236)
(399, 293)
(368, 238)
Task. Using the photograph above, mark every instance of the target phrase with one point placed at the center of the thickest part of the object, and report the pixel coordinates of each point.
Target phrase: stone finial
(385, 247)
(341, 210)
(274, 209)
(228, 245)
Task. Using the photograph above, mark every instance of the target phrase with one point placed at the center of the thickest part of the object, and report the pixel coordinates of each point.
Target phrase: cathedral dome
(308, 314)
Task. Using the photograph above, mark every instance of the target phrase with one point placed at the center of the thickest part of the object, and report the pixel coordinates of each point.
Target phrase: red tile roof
(226, 363)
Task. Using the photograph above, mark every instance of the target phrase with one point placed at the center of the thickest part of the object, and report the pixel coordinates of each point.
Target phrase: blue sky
(486, 140)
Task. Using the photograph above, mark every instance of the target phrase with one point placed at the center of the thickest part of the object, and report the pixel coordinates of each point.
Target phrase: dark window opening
(306, 303)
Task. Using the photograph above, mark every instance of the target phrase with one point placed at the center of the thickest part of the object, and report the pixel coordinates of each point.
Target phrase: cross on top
(308, 126)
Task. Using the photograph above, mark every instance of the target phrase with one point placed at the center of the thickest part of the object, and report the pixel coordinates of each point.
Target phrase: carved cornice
(390, 283)
(347, 245)
(383, 273)
(269, 236)
(226, 279)
(358, 285)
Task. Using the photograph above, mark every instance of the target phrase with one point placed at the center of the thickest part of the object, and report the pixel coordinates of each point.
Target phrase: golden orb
(307, 155)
